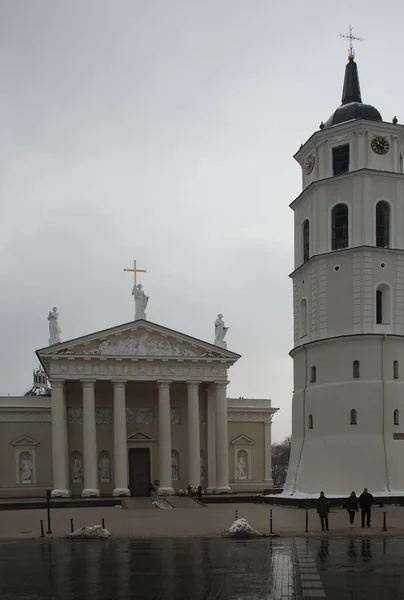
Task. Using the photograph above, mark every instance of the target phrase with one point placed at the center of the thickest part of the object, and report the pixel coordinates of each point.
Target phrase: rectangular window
(379, 307)
(395, 369)
(313, 374)
(340, 159)
(401, 163)
(355, 369)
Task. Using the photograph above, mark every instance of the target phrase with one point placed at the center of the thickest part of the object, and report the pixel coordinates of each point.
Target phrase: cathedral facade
(130, 409)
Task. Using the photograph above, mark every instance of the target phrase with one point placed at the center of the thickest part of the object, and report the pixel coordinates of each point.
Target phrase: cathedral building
(130, 408)
(348, 298)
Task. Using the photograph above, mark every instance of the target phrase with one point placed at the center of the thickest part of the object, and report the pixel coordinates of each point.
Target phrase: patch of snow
(95, 531)
(241, 529)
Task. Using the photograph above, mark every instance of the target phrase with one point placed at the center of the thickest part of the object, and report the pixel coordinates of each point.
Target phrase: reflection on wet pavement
(153, 569)
(274, 569)
(363, 568)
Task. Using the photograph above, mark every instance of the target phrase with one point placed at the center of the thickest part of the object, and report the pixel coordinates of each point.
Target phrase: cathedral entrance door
(139, 471)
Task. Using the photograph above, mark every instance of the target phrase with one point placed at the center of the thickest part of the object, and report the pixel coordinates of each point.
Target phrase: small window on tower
(355, 369)
(382, 224)
(396, 417)
(313, 374)
(340, 159)
(353, 417)
(310, 421)
(306, 241)
(395, 369)
(401, 163)
(339, 227)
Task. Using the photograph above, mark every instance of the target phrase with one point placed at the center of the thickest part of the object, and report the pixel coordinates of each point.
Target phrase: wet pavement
(276, 569)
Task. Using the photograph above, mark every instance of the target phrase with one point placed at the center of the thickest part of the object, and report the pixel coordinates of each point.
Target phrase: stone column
(120, 441)
(268, 453)
(211, 439)
(59, 441)
(164, 438)
(222, 446)
(89, 440)
(194, 445)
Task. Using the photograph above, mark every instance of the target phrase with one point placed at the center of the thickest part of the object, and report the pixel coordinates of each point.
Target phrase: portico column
(120, 443)
(89, 440)
(59, 441)
(222, 447)
(211, 439)
(194, 446)
(268, 453)
(164, 438)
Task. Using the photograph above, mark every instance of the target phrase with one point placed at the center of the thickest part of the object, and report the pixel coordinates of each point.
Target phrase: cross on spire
(351, 37)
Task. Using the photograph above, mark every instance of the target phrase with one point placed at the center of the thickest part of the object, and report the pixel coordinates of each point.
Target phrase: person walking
(352, 507)
(365, 502)
(323, 509)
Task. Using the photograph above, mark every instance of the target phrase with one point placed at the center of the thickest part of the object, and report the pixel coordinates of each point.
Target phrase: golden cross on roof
(135, 271)
(351, 37)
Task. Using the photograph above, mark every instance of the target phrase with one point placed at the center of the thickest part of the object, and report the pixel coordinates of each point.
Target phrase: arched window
(396, 417)
(339, 227)
(383, 305)
(313, 374)
(382, 224)
(303, 318)
(310, 421)
(306, 240)
(353, 416)
(355, 369)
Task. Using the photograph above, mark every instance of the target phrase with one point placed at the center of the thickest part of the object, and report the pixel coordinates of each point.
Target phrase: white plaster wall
(335, 456)
(361, 192)
(343, 301)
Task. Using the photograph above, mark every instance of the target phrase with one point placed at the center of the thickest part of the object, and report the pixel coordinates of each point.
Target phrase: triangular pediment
(138, 436)
(24, 441)
(242, 440)
(139, 339)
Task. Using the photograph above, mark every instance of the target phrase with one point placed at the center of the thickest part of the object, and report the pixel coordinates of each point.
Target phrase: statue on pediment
(54, 329)
(220, 332)
(141, 301)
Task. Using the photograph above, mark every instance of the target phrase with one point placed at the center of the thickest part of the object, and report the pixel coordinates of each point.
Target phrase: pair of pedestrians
(364, 501)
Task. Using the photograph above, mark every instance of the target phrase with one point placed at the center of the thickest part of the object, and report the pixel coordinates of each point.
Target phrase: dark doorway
(139, 471)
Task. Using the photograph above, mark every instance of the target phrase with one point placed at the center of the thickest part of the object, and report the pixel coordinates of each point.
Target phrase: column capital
(57, 383)
(222, 384)
(191, 384)
(119, 382)
(88, 382)
(163, 383)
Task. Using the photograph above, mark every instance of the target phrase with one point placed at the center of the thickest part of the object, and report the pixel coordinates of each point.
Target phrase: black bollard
(384, 521)
(236, 514)
(270, 521)
(42, 531)
(103, 523)
(48, 496)
(71, 526)
(307, 520)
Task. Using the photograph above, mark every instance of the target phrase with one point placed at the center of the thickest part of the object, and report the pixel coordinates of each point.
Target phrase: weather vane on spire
(351, 37)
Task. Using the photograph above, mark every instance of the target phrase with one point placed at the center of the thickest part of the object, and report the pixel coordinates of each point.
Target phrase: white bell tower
(348, 298)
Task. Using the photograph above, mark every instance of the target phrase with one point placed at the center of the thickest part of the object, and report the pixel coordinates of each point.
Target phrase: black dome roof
(352, 106)
(41, 386)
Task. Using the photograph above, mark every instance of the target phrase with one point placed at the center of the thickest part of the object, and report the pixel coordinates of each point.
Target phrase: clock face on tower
(309, 164)
(380, 145)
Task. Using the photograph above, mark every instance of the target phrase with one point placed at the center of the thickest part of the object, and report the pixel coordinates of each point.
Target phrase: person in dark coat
(365, 502)
(323, 509)
(352, 507)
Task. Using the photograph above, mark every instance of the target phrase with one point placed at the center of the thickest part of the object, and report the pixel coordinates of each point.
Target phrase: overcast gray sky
(163, 131)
